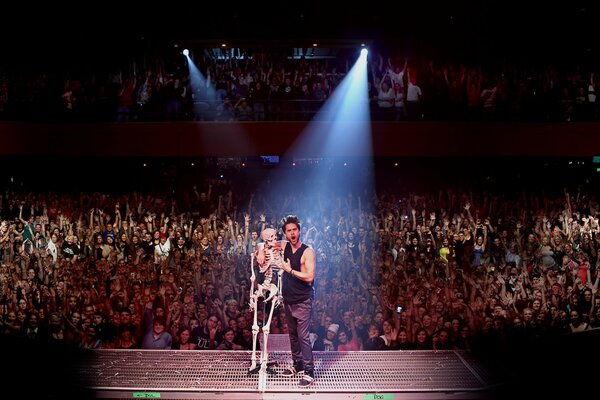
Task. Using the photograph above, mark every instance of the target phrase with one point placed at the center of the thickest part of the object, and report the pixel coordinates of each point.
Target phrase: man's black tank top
(295, 290)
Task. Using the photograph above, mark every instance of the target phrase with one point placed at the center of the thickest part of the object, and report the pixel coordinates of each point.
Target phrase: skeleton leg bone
(267, 328)
(254, 307)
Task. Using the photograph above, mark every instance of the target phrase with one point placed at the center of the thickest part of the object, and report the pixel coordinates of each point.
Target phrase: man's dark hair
(290, 219)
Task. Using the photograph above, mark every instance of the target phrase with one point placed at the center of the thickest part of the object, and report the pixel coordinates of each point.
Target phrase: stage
(174, 374)
(540, 369)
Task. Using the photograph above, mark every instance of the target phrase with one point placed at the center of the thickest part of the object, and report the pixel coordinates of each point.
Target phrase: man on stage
(299, 265)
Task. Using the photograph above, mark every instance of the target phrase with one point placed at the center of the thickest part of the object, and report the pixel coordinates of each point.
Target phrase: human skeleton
(270, 261)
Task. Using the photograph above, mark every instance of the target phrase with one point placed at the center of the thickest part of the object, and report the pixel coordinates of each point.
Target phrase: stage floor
(174, 374)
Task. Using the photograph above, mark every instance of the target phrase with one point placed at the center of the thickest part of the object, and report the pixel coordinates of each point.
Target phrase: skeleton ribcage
(275, 260)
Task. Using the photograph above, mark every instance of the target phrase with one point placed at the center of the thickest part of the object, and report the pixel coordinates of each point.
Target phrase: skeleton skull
(269, 236)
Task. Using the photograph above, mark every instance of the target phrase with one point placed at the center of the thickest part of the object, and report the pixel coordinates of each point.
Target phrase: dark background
(523, 31)
(50, 36)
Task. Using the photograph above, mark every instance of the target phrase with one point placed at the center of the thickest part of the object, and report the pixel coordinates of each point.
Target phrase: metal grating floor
(172, 372)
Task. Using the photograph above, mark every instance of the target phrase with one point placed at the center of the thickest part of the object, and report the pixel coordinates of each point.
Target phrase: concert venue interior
(444, 161)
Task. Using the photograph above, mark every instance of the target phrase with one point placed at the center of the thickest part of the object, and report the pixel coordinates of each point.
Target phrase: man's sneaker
(307, 379)
(293, 370)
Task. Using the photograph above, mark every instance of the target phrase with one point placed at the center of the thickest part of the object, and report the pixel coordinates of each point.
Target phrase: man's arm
(307, 274)
(259, 252)
(261, 256)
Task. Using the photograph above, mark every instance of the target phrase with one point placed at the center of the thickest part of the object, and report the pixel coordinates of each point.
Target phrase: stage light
(364, 52)
(329, 151)
(186, 52)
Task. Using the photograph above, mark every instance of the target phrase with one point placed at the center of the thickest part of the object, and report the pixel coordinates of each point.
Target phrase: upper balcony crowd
(242, 85)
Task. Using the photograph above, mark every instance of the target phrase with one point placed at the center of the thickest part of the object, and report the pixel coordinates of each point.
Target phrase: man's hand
(287, 267)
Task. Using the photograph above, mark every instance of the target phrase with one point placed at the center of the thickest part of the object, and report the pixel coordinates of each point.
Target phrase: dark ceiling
(486, 27)
(492, 19)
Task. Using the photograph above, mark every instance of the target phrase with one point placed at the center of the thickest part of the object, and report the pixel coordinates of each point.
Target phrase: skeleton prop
(269, 258)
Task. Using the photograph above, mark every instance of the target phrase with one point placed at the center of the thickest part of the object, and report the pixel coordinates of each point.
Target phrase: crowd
(254, 85)
(395, 270)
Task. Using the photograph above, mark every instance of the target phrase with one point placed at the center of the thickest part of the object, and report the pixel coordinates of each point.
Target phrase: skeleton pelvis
(271, 289)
